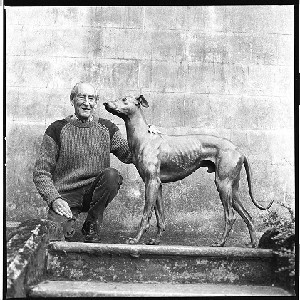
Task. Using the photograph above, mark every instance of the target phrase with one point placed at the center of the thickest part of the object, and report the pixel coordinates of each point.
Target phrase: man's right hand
(62, 208)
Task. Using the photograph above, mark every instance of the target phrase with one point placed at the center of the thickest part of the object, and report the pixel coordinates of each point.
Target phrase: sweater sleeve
(120, 148)
(44, 168)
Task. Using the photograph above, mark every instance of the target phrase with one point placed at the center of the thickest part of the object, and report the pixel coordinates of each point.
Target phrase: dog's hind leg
(238, 206)
(224, 188)
(160, 217)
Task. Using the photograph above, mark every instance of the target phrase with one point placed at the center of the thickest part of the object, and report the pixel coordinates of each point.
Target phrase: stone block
(109, 16)
(122, 43)
(205, 78)
(224, 110)
(31, 40)
(213, 18)
(282, 147)
(261, 80)
(103, 74)
(71, 16)
(259, 145)
(12, 102)
(287, 119)
(286, 50)
(165, 17)
(15, 42)
(22, 146)
(167, 45)
(239, 47)
(210, 48)
(145, 74)
(134, 16)
(163, 106)
(119, 74)
(264, 49)
(246, 48)
(240, 139)
(28, 71)
(261, 113)
(118, 16)
(284, 19)
(168, 77)
(284, 81)
(197, 111)
(250, 19)
(29, 16)
(235, 79)
(77, 42)
(195, 18)
(271, 182)
(50, 105)
(272, 146)
(50, 16)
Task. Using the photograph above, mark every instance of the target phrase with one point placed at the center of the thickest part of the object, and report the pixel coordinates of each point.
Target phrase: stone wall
(224, 70)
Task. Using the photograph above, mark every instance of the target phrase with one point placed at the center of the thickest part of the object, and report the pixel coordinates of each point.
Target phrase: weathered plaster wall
(222, 70)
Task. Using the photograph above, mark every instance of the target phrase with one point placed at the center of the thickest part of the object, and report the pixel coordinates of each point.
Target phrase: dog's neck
(136, 128)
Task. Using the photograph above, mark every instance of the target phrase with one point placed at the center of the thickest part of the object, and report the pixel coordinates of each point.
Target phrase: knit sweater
(73, 153)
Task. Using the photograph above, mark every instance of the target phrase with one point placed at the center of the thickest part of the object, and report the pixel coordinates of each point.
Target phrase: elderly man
(72, 172)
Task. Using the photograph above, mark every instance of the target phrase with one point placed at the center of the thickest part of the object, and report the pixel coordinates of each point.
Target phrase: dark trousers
(92, 199)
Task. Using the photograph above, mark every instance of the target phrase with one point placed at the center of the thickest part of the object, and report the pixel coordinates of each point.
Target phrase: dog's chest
(146, 159)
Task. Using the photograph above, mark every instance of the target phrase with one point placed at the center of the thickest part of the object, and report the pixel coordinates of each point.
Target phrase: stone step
(103, 289)
(146, 263)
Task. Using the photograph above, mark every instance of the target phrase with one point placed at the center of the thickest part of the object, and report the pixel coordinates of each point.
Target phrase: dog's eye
(124, 100)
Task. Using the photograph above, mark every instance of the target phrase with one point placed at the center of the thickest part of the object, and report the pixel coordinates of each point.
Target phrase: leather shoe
(90, 231)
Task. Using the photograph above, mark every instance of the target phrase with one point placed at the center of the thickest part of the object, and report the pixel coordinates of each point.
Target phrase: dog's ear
(142, 101)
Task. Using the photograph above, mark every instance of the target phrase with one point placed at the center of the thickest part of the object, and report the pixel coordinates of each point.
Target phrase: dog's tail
(249, 176)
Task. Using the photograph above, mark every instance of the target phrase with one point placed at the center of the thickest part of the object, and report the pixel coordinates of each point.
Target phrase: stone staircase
(77, 269)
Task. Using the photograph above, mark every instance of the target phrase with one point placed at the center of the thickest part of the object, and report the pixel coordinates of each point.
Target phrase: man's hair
(74, 91)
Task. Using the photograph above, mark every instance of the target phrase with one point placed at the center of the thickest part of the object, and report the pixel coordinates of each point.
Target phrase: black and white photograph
(150, 151)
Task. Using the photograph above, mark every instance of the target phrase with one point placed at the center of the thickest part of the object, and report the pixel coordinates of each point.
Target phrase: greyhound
(163, 158)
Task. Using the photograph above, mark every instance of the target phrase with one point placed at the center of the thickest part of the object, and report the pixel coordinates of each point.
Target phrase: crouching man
(72, 172)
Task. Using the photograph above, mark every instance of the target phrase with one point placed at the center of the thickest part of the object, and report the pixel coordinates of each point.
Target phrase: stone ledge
(96, 248)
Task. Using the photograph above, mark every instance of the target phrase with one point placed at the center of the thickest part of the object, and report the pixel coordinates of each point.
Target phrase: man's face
(85, 101)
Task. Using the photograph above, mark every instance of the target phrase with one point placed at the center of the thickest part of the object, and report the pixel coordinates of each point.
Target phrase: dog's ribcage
(182, 155)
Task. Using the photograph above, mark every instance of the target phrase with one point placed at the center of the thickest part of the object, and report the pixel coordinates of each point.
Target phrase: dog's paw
(131, 241)
(217, 244)
(153, 242)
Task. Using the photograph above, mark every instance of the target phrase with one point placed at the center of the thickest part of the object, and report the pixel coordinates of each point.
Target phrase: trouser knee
(103, 190)
(110, 179)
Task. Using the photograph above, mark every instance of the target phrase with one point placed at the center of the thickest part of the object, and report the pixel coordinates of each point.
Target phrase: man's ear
(142, 101)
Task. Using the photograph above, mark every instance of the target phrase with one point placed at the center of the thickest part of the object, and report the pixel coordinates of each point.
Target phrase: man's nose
(86, 100)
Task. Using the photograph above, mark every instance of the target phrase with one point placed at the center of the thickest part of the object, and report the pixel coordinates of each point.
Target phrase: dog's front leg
(152, 185)
(160, 217)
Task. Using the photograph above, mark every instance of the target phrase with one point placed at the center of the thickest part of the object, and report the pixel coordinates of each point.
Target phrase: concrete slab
(102, 289)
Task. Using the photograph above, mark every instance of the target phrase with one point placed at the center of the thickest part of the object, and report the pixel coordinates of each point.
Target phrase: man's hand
(62, 208)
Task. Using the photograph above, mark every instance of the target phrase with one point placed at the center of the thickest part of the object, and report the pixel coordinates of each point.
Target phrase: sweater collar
(75, 121)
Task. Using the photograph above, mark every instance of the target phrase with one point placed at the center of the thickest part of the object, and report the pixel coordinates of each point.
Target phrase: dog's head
(125, 106)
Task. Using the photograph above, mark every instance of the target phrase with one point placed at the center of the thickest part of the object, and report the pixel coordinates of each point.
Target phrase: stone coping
(26, 253)
(97, 248)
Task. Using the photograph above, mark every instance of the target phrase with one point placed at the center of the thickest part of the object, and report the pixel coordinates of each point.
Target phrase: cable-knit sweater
(73, 153)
